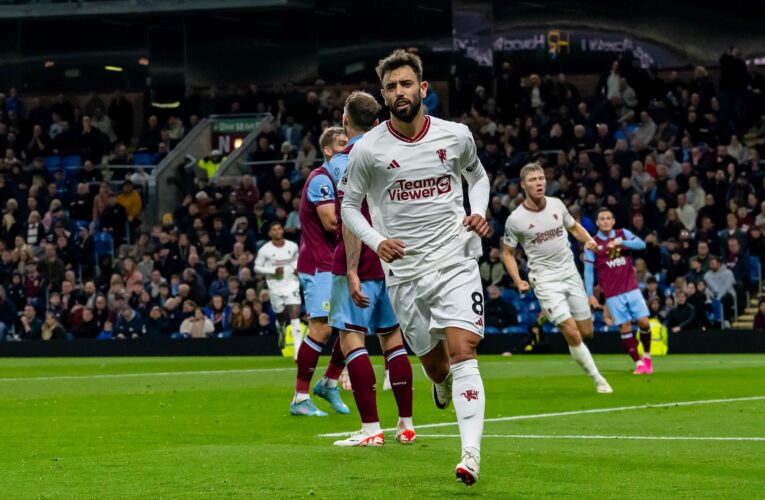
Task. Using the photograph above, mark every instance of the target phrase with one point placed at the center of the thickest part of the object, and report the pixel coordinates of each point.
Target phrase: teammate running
(540, 225)
(277, 260)
(616, 276)
(410, 170)
(318, 220)
(360, 304)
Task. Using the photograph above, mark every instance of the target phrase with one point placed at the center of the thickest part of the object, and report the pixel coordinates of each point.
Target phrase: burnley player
(410, 170)
(360, 304)
(616, 276)
(318, 220)
(541, 226)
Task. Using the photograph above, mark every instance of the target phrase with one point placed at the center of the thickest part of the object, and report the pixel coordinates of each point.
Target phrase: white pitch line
(567, 413)
(634, 438)
(144, 374)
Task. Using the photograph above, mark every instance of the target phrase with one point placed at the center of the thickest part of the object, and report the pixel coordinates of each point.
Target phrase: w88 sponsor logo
(404, 190)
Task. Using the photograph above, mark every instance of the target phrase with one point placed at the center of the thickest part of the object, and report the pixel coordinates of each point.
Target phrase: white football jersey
(270, 257)
(544, 237)
(414, 190)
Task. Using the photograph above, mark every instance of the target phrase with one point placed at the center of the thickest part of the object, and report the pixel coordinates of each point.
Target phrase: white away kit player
(541, 225)
(410, 169)
(277, 260)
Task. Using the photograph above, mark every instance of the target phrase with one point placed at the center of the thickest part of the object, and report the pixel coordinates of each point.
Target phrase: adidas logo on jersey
(479, 322)
(393, 164)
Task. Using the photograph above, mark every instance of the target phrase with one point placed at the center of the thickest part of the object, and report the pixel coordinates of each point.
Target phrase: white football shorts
(563, 299)
(448, 297)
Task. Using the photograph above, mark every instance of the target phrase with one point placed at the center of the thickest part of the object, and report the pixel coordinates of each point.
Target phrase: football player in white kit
(277, 260)
(541, 225)
(410, 169)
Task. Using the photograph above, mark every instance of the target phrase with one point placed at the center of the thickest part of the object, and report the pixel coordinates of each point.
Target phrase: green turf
(98, 428)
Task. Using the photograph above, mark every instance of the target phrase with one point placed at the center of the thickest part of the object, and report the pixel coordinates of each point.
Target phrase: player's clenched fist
(591, 245)
(390, 250)
(476, 223)
(523, 286)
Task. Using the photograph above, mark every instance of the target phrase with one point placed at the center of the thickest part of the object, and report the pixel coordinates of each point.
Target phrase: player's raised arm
(355, 186)
(479, 188)
(631, 241)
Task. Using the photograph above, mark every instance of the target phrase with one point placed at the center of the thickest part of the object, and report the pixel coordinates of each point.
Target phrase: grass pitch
(220, 428)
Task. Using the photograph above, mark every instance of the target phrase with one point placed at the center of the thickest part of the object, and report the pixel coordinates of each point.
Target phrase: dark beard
(407, 116)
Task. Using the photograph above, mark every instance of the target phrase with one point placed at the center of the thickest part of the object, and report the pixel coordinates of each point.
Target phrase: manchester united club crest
(470, 394)
(441, 155)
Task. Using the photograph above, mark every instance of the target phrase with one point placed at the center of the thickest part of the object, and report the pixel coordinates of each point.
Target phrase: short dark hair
(601, 210)
(329, 135)
(397, 59)
(275, 223)
(362, 110)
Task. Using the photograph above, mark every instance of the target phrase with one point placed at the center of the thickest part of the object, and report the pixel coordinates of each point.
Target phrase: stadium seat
(755, 271)
(527, 296)
(52, 162)
(71, 161)
(103, 244)
(492, 330)
(515, 329)
(78, 224)
(528, 318)
(142, 159)
(510, 295)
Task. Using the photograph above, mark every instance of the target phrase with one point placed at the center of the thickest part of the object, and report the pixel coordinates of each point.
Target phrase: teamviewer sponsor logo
(548, 235)
(404, 190)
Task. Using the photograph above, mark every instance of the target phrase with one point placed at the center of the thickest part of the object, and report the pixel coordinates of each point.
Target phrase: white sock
(300, 397)
(297, 334)
(329, 382)
(371, 428)
(469, 402)
(582, 356)
(405, 423)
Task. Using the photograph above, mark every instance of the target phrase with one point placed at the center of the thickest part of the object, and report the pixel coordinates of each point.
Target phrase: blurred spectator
(682, 316)
(498, 312)
(722, 285)
(759, 318)
(31, 325)
(210, 164)
(197, 326)
(130, 324)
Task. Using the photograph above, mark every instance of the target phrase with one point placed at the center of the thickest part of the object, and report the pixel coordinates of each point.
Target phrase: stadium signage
(234, 125)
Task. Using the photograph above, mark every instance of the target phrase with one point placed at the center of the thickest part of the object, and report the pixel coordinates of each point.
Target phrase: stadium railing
(164, 196)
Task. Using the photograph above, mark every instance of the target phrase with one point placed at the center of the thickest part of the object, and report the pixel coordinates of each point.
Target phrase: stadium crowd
(666, 155)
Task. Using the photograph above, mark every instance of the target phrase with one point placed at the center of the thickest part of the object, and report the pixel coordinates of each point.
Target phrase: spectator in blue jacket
(130, 324)
(219, 312)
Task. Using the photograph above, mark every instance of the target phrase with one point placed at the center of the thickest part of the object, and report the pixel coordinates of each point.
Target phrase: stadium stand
(677, 158)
